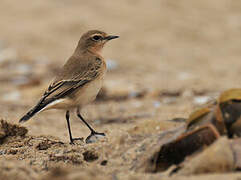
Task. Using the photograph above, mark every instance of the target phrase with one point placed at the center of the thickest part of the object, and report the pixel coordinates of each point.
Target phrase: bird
(78, 82)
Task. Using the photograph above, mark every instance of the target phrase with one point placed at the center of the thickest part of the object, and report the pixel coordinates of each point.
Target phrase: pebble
(200, 100)
(111, 64)
(94, 138)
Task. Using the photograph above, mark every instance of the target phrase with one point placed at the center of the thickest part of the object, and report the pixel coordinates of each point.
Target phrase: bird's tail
(36, 109)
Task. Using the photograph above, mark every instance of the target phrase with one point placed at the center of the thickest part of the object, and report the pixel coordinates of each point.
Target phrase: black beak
(110, 37)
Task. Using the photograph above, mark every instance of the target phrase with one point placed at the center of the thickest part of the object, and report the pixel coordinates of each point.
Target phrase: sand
(171, 57)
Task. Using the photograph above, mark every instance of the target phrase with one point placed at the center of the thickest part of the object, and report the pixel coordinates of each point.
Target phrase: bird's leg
(69, 129)
(92, 131)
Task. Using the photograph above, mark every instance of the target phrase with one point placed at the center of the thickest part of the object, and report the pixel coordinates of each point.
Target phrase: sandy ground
(172, 56)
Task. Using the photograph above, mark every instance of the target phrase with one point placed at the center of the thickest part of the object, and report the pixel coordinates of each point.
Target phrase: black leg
(70, 134)
(69, 129)
(82, 119)
(92, 131)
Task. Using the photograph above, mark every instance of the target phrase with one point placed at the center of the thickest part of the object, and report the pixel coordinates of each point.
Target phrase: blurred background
(171, 57)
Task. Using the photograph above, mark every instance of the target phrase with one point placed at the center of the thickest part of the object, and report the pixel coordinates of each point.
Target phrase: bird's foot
(94, 137)
(72, 141)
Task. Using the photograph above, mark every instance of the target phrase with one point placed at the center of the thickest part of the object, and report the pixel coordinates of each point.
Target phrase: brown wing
(64, 87)
(85, 72)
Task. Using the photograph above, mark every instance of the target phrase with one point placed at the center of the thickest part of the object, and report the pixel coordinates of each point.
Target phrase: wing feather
(66, 84)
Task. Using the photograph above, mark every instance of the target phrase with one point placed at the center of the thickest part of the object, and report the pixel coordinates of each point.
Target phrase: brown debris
(203, 127)
(224, 114)
(7, 129)
(90, 155)
(217, 158)
(175, 151)
(150, 147)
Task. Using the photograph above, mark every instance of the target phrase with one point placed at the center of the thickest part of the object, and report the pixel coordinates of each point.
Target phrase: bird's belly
(88, 92)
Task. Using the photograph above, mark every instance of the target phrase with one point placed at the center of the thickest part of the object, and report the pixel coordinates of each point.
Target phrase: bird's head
(94, 40)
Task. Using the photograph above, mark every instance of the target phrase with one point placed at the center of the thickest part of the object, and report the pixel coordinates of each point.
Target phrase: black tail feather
(44, 102)
(34, 111)
(26, 117)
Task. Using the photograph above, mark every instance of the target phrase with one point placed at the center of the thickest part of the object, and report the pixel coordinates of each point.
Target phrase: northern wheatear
(78, 82)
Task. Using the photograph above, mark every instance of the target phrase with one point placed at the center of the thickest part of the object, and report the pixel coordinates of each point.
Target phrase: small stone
(103, 163)
(90, 156)
(200, 100)
(94, 138)
(111, 64)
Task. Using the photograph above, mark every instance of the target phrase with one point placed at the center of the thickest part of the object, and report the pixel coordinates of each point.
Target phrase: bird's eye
(97, 38)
